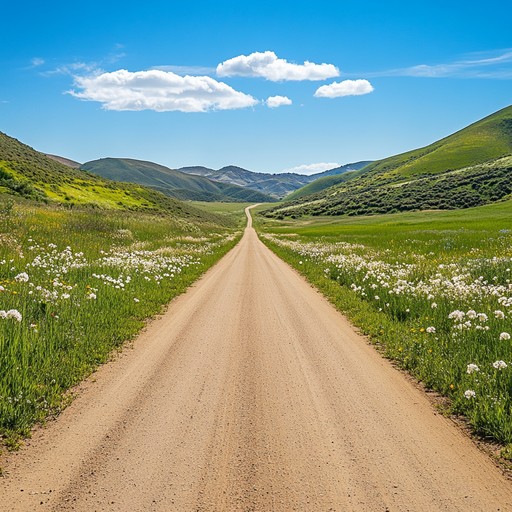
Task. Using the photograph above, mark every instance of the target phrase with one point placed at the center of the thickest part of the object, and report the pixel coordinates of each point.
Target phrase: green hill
(173, 183)
(319, 185)
(30, 174)
(468, 168)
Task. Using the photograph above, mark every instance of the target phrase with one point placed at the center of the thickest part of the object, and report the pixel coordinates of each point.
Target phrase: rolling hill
(29, 174)
(469, 168)
(173, 183)
(327, 179)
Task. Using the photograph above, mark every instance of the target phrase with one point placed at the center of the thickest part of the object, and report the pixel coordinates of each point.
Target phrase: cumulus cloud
(313, 168)
(269, 66)
(160, 91)
(345, 88)
(278, 101)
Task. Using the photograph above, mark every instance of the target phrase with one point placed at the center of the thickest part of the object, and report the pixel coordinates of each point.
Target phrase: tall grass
(74, 285)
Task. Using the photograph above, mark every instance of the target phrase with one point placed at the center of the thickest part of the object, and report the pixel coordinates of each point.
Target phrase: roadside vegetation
(433, 290)
(76, 284)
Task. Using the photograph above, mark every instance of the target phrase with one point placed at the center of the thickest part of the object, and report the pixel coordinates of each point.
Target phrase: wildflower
(22, 278)
(499, 365)
(471, 368)
(431, 329)
(499, 314)
(91, 296)
(135, 299)
(471, 314)
(504, 336)
(457, 315)
(433, 305)
(12, 313)
(482, 317)
(469, 393)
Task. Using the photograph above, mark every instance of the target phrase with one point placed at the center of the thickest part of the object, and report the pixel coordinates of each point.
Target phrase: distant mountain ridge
(172, 182)
(276, 185)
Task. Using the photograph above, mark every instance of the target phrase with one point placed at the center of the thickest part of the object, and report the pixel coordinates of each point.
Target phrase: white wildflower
(499, 365)
(14, 314)
(504, 336)
(469, 393)
(22, 278)
(431, 329)
(472, 368)
(499, 314)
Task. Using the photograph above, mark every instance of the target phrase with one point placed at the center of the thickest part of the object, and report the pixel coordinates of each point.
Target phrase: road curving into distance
(251, 393)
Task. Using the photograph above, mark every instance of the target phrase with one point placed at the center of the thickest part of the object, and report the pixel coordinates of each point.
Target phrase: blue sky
(382, 78)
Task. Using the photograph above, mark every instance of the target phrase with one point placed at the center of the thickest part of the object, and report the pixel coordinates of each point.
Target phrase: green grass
(398, 276)
(84, 283)
(235, 212)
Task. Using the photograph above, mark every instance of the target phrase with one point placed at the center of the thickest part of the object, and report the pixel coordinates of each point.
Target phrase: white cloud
(269, 66)
(492, 64)
(37, 61)
(278, 101)
(488, 66)
(187, 70)
(313, 168)
(159, 91)
(345, 88)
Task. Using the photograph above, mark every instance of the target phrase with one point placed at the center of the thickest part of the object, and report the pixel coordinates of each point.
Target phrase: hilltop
(469, 168)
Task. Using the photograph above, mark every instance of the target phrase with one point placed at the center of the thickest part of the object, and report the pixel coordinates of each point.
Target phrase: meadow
(433, 290)
(76, 284)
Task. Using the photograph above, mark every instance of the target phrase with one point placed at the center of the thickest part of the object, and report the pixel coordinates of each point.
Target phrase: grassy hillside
(355, 166)
(319, 185)
(468, 168)
(480, 142)
(27, 173)
(171, 182)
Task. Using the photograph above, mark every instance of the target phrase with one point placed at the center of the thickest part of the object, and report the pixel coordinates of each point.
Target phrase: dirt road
(251, 394)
